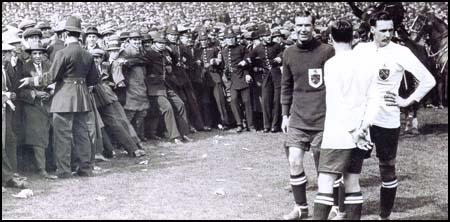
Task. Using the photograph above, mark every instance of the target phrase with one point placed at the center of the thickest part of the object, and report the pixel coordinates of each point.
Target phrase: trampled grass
(248, 171)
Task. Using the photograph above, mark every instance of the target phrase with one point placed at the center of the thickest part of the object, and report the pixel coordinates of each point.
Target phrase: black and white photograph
(225, 110)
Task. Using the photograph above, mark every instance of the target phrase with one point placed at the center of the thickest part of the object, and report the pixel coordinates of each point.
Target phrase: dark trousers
(174, 114)
(236, 96)
(137, 120)
(271, 106)
(186, 94)
(70, 127)
(115, 128)
(39, 157)
(7, 171)
(10, 139)
(219, 97)
(203, 94)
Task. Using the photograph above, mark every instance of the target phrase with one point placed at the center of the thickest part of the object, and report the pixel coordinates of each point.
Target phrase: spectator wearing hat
(117, 82)
(136, 99)
(161, 93)
(9, 158)
(146, 41)
(73, 71)
(11, 109)
(107, 105)
(26, 23)
(240, 80)
(92, 37)
(267, 58)
(36, 103)
(57, 43)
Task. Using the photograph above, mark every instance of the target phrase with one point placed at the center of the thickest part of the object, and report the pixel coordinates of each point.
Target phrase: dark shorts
(386, 142)
(303, 139)
(340, 161)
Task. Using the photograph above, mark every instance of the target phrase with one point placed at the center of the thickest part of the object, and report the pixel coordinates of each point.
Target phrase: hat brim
(113, 48)
(72, 29)
(95, 33)
(38, 49)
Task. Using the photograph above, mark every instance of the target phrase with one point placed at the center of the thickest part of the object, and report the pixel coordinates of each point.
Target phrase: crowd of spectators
(145, 16)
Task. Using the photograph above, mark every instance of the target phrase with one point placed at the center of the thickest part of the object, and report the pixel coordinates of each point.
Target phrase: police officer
(232, 55)
(268, 56)
(211, 78)
(73, 71)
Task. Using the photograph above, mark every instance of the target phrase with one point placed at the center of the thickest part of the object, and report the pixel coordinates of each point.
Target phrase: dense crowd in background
(125, 16)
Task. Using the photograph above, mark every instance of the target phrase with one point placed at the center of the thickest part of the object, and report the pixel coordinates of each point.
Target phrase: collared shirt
(389, 64)
(38, 67)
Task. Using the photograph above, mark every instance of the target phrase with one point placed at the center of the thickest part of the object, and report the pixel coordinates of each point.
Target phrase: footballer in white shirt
(352, 102)
(389, 62)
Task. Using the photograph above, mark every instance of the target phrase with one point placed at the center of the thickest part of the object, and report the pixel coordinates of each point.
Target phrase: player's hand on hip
(393, 99)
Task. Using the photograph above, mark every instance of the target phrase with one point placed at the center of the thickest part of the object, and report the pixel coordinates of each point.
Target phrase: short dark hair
(74, 34)
(379, 16)
(342, 31)
(306, 14)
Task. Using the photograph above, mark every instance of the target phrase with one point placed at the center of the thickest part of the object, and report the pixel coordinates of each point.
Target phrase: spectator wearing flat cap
(92, 37)
(136, 99)
(73, 70)
(36, 103)
(26, 23)
(231, 56)
(161, 93)
(147, 41)
(57, 43)
(109, 110)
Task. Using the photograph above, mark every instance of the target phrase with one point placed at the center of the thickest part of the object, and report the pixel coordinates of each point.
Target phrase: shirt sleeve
(412, 64)
(287, 86)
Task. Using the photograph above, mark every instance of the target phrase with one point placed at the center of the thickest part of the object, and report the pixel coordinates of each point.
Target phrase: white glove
(285, 124)
(248, 78)
(242, 63)
(277, 59)
(14, 61)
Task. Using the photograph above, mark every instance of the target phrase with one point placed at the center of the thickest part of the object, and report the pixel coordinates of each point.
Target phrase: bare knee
(351, 182)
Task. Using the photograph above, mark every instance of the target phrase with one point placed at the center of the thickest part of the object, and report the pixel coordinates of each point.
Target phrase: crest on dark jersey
(383, 74)
(315, 77)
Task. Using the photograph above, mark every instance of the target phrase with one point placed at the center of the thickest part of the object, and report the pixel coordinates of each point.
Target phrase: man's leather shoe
(154, 137)
(177, 141)
(100, 157)
(266, 130)
(187, 139)
(274, 130)
(138, 153)
(298, 213)
(85, 173)
(140, 145)
(64, 175)
(207, 128)
(239, 129)
(252, 129)
(45, 175)
(16, 183)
